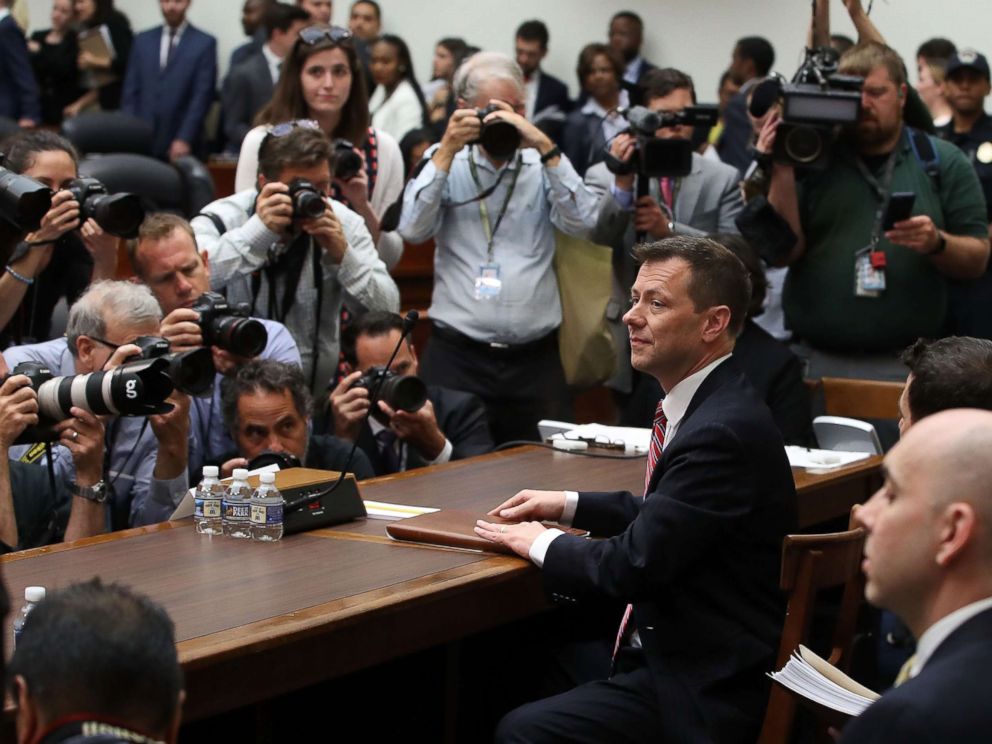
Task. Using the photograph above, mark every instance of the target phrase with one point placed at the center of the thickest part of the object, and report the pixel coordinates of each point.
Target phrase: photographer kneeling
(293, 254)
(144, 475)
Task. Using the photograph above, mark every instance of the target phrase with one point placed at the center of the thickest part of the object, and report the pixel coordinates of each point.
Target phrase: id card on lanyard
(870, 261)
(489, 280)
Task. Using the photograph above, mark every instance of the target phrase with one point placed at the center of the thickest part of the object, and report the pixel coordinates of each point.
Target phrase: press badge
(869, 273)
(488, 285)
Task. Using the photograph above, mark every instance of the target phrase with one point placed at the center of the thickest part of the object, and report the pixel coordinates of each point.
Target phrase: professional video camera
(815, 105)
(228, 327)
(136, 388)
(347, 162)
(191, 371)
(23, 201)
(118, 214)
(655, 157)
(308, 203)
(500, 138)
(400, 392)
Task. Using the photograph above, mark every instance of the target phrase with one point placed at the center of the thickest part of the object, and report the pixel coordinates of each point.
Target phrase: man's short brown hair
(157, 226)
(866, 56)
(951, 372)
(717, 276)
(301, 148)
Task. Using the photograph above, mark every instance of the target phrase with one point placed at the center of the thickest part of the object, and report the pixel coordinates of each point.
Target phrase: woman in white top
(397, 105)
(322, 80)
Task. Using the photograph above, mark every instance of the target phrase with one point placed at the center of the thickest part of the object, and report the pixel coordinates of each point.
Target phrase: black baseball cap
(967, 58)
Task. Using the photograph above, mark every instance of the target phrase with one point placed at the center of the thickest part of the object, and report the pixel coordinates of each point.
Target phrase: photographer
(493, 260)
(856, 292)
(707, 200)
(451, 425)
(144, 474)
(266, 408)
(288, 266)
(61, 257)
(165, 258)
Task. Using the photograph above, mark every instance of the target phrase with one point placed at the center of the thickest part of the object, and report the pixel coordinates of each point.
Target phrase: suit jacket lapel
(690, 189)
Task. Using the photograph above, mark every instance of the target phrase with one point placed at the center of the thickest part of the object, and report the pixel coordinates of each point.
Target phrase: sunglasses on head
(313, 34)
(281, 130)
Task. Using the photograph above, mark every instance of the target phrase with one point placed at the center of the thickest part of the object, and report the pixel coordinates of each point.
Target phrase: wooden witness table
(254, 621)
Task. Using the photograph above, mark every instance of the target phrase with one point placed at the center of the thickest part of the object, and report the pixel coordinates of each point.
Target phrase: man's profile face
(270, 421)
(625, 37)
(881, 108)
(664, 327)
(675, 101)
(966, 90)
(529, 55)
(364, 21)
(174, 11)
(174, 270)
(740, 67)
(374, 351)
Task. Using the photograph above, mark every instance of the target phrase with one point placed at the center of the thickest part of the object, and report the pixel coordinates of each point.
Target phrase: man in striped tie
(697, 557)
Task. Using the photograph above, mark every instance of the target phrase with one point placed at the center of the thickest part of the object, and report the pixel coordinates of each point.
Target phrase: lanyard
(484, 210)
(881, 189)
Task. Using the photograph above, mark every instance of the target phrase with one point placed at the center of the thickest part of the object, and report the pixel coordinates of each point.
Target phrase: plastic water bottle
(207, 503)
(237, 509)
(32, 596)
(266, 510)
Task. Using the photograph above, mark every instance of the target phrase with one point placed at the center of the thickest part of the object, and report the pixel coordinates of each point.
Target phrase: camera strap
(881, 189)
(488, 229)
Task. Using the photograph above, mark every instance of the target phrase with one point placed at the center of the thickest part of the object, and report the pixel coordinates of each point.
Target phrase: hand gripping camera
(400, 392)
(655, 157)
(228, 327)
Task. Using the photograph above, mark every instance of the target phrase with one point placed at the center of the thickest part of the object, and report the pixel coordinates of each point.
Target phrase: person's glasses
(105, 342)
(281, 130)
(314, 34)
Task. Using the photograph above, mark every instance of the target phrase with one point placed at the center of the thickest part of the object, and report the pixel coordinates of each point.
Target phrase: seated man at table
(698, 557)
(266, 407)
(928, 558)
(451, 425)
(97, 663)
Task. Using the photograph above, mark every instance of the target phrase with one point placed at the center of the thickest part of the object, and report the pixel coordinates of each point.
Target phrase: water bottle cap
(240, 473)
(34, 593)
(267, 478)
(210, 471)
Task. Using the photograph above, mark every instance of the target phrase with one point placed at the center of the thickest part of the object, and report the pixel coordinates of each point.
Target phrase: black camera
(228, 327)
(815, 105)
(308, 203)
(191, 371)
(654, 157)
(23, 201)
(118, 214)
(400, 392)
(500, 138)
(136, 388)
(347, 162)
(267, 458)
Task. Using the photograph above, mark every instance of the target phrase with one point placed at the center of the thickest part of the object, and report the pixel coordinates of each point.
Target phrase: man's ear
(958, 524)
(903, 90)
(206, 260)
(717, 320)
(173, 734)
(84, 350)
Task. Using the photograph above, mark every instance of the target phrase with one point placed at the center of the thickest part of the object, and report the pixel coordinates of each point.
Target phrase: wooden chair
(861, 399)
(811, 563)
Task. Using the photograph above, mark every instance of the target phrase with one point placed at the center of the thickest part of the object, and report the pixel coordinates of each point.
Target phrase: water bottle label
(211, 508)
(269, 515)
(237, 512)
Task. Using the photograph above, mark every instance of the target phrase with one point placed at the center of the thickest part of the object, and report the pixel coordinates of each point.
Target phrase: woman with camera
(62, 256)
(590, 127)
(322, 80)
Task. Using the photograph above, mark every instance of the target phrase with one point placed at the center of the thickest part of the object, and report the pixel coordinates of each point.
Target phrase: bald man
(928, 558)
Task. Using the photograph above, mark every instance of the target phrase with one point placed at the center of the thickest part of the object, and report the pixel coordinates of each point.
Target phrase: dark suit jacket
(461, 418)
(735, 141)
(174, 100)
(19, 97)
(582, 140)
(551, 106)
(247, 88)
(699, 559)
(947, 702)
(325, 452)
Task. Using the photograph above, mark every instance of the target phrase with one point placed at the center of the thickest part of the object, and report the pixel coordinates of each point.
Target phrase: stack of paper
(804, 457)
(634, 439)
(812, 677)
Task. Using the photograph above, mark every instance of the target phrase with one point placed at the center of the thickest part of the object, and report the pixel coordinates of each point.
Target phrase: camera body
(400, 392)
(228, 327)
(500, 138)
(654, 157)
(308, 202)
(23, 201)
(347, 162)
(118, 214)
(191, 371)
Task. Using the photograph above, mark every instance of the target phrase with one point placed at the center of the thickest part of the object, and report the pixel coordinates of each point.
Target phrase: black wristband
(941, 245)
(554, 152)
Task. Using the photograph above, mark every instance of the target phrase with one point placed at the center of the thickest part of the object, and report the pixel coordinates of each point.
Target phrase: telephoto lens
(118, 214)
(308, 203)
(23, 201)
(400, 392)
(228, 327)
(192, 371)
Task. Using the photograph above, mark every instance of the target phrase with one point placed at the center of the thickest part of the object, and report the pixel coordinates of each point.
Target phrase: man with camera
(144, 473)
(866, 280)
(293, 254)
(491, 194)
(266, 407)
(165, 258)
(446, 425)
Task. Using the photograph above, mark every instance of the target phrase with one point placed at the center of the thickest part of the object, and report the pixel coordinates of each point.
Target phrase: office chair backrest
(108, 131)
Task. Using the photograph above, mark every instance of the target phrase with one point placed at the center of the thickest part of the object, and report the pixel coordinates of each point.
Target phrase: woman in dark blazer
(590, 126)
(101, 15)
(53, 57)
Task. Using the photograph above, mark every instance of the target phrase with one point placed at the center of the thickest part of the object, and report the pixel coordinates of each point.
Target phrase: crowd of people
(736, 274)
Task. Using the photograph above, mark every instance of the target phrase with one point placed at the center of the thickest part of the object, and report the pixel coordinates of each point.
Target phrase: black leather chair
(184, 188)
(107, 132)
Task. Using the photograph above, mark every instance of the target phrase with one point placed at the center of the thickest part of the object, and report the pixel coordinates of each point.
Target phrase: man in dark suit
(547, 99)
(170, 81)
(451, 425)
(626, 36)
(249, 85)
(698, 556)
(252, 13)
(19, 98)
(928, 558)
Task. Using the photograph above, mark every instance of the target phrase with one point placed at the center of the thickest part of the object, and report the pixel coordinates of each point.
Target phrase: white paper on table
(382, 510)
(818, 459)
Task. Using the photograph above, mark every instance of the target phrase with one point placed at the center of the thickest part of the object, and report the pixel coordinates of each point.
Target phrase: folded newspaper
(813, 678)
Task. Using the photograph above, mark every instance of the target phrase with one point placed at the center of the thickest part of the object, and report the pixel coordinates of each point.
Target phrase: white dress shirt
(274, 61)
(937, 633)
(163, 49)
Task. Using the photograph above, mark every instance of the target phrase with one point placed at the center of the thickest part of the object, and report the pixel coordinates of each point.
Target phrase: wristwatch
(941, 245)
(98, 492)
(551, 154)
